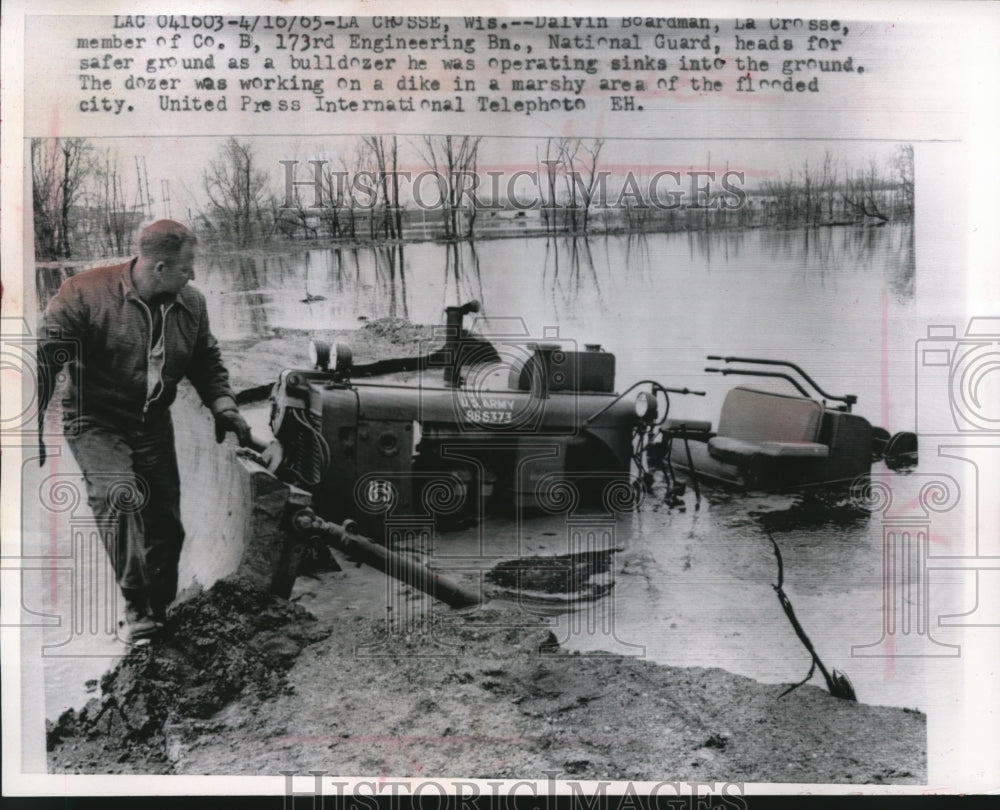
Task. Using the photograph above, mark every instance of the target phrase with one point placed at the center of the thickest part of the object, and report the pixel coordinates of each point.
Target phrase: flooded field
(685, 583)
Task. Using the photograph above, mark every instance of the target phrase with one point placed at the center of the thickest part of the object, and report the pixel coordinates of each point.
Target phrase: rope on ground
(837, 683)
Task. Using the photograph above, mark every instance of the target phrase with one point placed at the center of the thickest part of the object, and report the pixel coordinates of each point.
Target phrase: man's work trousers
(133, 488)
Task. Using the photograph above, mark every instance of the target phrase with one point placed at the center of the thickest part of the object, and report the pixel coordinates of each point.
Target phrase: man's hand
(273, 455)
(231, 421)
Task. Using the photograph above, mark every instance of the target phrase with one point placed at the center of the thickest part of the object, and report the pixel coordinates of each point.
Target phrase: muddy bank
(243, 684)
(232, 643)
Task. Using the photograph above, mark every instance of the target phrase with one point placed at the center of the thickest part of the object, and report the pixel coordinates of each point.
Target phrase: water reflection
(725, 245)
(463, 277)
(827, 253)
(569, 273)
(774, 275)
(390, 279)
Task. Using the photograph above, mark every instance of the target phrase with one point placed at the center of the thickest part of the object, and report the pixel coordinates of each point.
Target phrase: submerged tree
(455, 160)
(576, 160)
(903, 170)
(385, 151)
(865, 194)
(582, 178)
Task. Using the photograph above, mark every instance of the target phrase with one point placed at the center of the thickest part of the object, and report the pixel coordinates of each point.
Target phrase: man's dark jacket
(99, 323)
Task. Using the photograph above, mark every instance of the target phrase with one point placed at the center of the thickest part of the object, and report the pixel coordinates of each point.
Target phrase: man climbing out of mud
(130, 333)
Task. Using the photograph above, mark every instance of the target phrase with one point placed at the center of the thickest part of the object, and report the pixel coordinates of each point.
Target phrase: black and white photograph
(591, 406)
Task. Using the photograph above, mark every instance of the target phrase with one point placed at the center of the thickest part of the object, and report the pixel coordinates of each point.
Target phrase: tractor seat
(755, 422)
(739, 452)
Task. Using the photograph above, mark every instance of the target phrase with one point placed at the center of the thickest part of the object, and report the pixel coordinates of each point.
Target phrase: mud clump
(399, 331)
(226, 644)
(569, 575)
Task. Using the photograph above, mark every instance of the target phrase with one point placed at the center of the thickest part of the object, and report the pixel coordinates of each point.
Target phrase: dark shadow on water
(832, 507)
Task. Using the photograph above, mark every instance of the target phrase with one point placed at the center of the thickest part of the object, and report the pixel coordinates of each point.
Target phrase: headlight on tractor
(646, 407)
(319, 354)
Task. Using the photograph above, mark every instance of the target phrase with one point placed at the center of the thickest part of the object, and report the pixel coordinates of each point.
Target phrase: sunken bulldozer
(492, 422)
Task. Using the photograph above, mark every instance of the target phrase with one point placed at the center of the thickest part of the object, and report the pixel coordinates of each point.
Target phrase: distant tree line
(85, 202)
(828, 194)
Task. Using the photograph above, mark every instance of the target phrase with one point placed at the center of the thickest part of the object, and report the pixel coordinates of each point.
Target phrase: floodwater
(838, 301)
(693, 585)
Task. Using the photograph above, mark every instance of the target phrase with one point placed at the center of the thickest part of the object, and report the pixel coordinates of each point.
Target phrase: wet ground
(675, 590)
(425, 692)
(361, 674)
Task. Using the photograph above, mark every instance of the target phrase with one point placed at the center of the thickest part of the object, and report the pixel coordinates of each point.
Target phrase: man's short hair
(164, 239)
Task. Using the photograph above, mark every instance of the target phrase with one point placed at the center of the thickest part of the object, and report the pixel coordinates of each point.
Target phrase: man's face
(173, 275)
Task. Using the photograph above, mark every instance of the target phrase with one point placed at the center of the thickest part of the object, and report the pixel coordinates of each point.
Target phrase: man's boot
(140, 625)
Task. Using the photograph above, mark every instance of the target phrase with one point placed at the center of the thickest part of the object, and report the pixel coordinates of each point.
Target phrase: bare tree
(455, 160)
(903, 169)
(781, 201)
(289, 219)
(865, 194)
(44, 197)
(550, 206)
(76, 167)
(810, 209)
(828, 184)
(582, 178)
(117, 221)
(59, 169)
(385, 151)
(334, 202)
(236, 190)
(346, 190)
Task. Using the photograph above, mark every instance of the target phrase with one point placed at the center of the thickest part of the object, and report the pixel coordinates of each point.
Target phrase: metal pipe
(849, 399)
(396, 565)
(750, 373)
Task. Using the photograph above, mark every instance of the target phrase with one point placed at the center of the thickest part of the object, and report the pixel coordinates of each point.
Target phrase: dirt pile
(399, 331)
(226, 644)
(487, 694)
